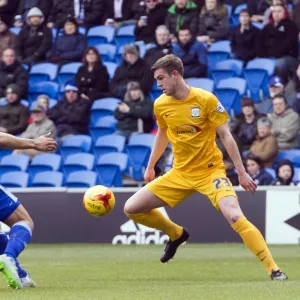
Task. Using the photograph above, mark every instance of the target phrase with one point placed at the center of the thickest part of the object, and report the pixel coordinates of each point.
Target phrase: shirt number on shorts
(221, 182)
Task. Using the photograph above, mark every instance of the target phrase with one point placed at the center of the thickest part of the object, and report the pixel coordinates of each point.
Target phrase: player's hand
(247, 183)
(149, 175)
(45, 143)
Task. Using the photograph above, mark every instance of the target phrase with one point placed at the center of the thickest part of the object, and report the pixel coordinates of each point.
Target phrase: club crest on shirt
(195, 112)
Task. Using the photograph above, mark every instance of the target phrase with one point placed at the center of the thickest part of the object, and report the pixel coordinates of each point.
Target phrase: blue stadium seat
(109, 143)
(229, 92)
(52, 102)
(138, 150)
(156, 91)
(48, 179)
(226, 69)
(297, 175)
(119, 55)
(257, 73)
(103, 126)
(17, 179)
(235, 16)
(46, 87)
(4, 152)
(68, 72)
(125, 35)
(217, 52)
(107, 51)
(111, 68)
(271, 172)
(104, 107)
(54, 34)
(293, 155)
(76, 144)
(202, 83)
(100, 35)
(44, 162)
(258, 25)
(142, 48)
(15, 30)
(25, 103)
(81, 179)
(42, 72)
(110, 167)
(14, 162)
(79, 162)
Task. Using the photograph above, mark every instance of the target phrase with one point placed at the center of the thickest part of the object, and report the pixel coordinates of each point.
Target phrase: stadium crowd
(33, 32)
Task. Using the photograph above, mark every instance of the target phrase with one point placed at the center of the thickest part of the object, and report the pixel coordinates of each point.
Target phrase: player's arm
(42, 143)
(230, 145)
(159, 146)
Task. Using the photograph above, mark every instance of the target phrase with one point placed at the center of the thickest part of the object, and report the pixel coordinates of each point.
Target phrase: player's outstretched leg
(251, 236)
(142, 209)
(19, 236)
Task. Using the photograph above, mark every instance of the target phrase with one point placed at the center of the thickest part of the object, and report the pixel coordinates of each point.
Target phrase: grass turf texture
(222, 271)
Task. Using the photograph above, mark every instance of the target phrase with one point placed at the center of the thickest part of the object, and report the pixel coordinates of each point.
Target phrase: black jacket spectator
(126, 11)
(13, 73)
(33, 42)
(187, 15)
(7, 38)
(157, 52)
(214, 23)
(245, 46)
(26, 5)
(8, 11)
(70, 46)
(155, 17)
(263, 178)
(94, 11)
(92, 79)
(133, 68)
(278, 41)
(71, 116)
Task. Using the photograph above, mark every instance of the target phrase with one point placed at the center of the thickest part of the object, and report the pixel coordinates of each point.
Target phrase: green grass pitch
(86, 272)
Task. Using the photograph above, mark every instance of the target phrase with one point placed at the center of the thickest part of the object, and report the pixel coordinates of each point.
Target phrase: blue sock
(19, 237)
(3, 243)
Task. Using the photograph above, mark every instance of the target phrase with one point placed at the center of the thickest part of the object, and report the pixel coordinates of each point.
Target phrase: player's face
(181, 3)
(285, 172)
(252, 167)
(263, 131)
(278, 13)
(35, 20)
(135, 94)
(9, 57)
(210, 4)
(184, 36)
(165, 81)
(279, 106)
(244, 18)
(69, 28)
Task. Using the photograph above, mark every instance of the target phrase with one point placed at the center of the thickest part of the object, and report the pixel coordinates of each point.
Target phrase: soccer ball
(99, 201)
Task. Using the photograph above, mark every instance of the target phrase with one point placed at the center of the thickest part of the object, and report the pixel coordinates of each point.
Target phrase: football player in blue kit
(14, 215)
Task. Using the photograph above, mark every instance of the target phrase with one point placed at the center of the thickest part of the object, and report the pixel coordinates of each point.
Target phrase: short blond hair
(169, 63)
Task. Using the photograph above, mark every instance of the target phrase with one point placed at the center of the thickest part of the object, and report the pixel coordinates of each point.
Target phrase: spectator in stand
(192, 53)
(244, 38)
(118, 11)
(279, 40)
(255, 169)
(25, 6)
(11, 71)
(162, 47)
(265, 145)
(40, 125)
(214, 23)
(92, 78)
(132, 68)
(296, 91)
(13, 115)
(86, 13)
(42, 100)
(135, 113)
(151, 14)
(71, 115)
(284, 174)
(276, 87)
(286, 124)
(8, 10)
(7, 39)
(182, 12)
(34, 40)
(268, 12)
(70, 46)
(257, 9)
(244, 126)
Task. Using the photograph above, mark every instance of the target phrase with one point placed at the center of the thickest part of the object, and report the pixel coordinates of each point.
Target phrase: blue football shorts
(8, 203)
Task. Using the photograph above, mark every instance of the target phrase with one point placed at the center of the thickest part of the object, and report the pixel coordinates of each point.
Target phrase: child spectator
(284, 173)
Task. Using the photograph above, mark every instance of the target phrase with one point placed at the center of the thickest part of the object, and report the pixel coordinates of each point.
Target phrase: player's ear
(175, 73)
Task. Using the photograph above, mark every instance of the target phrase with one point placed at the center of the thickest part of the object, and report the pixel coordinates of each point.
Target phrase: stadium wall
(60, 218)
